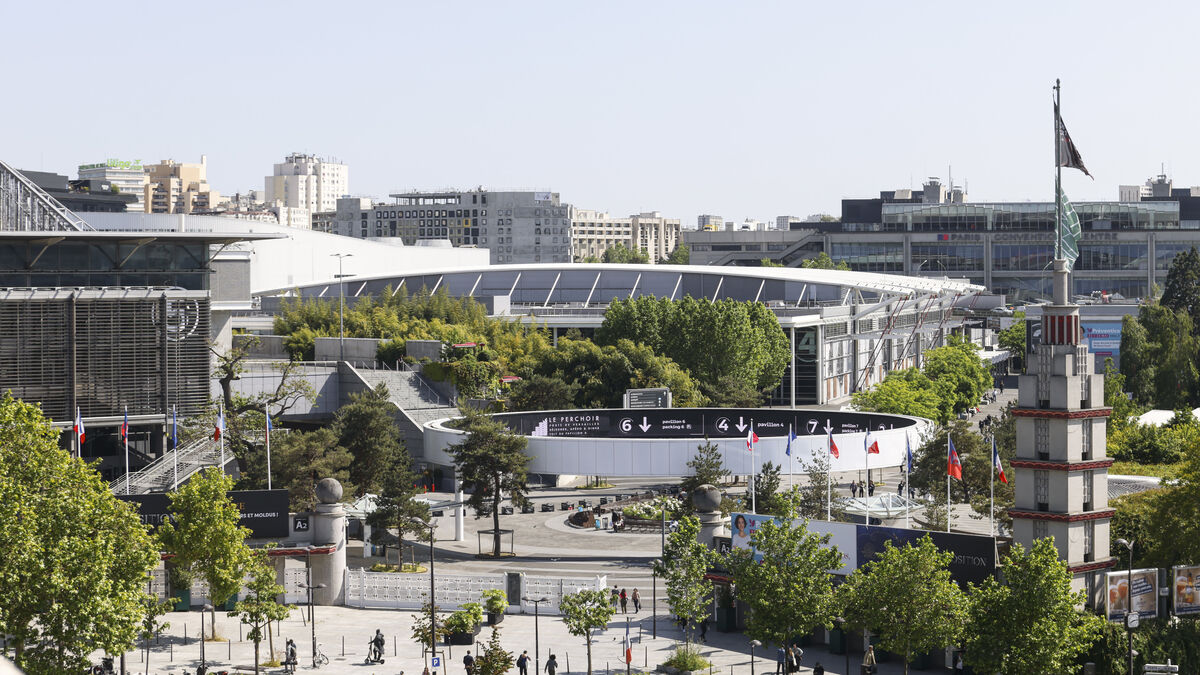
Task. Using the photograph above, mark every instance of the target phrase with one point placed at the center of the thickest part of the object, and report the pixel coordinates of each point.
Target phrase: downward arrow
(828, 427)
(741, 426)
(644, 426)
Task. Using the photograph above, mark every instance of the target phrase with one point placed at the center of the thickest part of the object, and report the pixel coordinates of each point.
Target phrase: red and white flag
(751, 439)
(219, 428)
(80, 434)
(628, 646)
(871, 444)
(833, 449)
(996, 462)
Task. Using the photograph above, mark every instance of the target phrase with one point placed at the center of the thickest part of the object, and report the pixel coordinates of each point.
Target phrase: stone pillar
(707, 502)
(329, 530)
(460, 515)
(280, 563)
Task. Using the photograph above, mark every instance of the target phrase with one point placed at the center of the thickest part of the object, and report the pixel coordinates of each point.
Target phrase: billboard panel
(1103, 339)
(265, 512)
(1186, 589)
(1144, 592)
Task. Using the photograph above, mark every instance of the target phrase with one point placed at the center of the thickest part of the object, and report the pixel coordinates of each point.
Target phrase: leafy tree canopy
(958, 373)
(598, 376)
(302, 458)
(823, 262)
(708, 467)
(366, 428)
(585, 611)
(905, 392)
(621, 254)
(684, 563)
(1182, 290)
(682, 255)
(1159, 354)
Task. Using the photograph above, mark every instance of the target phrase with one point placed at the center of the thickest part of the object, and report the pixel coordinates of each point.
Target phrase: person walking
(551, 665)
(853, 490)
(624, 602)
(870, 488)
(616, 597)
(523, 663)
(868, 664)
(704, 629)
(637, 601)
(469, 663)
(780, 661)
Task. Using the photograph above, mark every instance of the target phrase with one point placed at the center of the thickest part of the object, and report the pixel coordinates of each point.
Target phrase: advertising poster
(1144, 593)
(265, 512)
(743, 526)
(1103, 340)
(974, 555)
(1186, 589)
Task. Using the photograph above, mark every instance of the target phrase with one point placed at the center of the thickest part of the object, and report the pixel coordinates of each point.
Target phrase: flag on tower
(871, 444)
(953, 465)
(219, 429)
(996, 461)
(833, 449)
(79, 431)
(125, 425)
(751, 439)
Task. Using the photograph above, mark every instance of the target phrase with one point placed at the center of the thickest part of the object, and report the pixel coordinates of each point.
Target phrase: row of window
(430, 213)
(1027, 257)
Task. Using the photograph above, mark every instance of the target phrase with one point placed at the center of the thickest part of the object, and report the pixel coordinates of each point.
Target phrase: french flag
(628, 646)
(125, 425)
(833, 448)
(219, 429)
(79, 431)
(996, 461)
(871, 444)
(751, 439)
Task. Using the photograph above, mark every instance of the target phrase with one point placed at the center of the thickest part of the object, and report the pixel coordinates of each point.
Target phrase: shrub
(464, 620)
(652, 510)
(687, 657)
(495, 601)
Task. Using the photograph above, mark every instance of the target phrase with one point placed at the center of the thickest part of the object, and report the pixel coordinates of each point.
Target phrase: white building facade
(594, 232)
(127, 175)
(307, 182)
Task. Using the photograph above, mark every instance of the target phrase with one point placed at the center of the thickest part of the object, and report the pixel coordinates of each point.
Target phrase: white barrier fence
(395, 590)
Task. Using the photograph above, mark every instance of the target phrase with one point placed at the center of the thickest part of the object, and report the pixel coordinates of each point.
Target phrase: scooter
(374, 654)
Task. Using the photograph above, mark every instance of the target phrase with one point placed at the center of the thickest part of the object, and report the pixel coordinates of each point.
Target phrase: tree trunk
(589, 645)
(256, 643)
(270, 640)
(213, 624)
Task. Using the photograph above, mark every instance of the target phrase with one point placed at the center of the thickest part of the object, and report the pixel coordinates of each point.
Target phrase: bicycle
(319, 658)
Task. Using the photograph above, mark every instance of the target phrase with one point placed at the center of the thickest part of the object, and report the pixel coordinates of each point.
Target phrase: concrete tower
(1061, 471)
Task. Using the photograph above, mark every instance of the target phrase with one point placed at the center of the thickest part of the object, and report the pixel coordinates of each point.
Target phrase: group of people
(621, 599)
(551, 666)
(858, 489)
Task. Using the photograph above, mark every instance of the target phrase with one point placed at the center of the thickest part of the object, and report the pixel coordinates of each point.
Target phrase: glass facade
(1028, 216)
(861, 257)
(103, 263)
(1033, 257)
(1165, 252)
(1112, 256)
(949, 257)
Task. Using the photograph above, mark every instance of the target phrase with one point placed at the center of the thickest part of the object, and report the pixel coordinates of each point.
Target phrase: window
(1089, 540)
(1041, 529)
(1041, 489)
(1089, 485)
(1041, 438)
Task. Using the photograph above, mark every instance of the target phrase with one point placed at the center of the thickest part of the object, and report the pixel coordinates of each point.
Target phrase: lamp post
(341, 305)
(753, 644)
(311, 620)
(203, 662)
(654, 576)
(432, 604)
(537, 650)
(841, 625)
(1129, 598)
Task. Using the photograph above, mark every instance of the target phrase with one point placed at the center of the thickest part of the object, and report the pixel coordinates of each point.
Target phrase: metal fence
(410, 591)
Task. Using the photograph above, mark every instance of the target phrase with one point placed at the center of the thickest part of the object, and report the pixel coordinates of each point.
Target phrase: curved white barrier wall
(636, 457)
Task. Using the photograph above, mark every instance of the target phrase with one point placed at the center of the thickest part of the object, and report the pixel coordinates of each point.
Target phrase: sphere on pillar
(706, 501)
(329, 491)
(329, 534)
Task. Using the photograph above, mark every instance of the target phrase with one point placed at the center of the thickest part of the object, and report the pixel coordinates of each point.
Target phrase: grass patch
(687, 657)
(1136, 469)
(406, 568)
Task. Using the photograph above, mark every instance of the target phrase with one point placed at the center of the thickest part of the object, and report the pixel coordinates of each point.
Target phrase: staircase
(160, 475)
(418, 402)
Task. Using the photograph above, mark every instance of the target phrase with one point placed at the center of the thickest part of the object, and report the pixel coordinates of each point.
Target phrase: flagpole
(175, 443)
(221, 419)
(948, 483)
(867, 455)
(754, 472)
(1057, 171)
(992, 488)
(791, 459)
(125, 430)
(828, 485)
(267, 409)
(907, 479)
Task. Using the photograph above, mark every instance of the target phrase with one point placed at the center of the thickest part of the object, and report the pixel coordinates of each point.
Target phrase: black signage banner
(974, 555)
(696, 422)
(265, 512)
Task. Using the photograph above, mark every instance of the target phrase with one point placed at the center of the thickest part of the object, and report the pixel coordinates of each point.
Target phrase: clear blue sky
(751, 109)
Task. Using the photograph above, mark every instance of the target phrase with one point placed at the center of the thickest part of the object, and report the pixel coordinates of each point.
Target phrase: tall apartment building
(175, 187)
(518, 227)
(710, 223)
(308, 182)
(594, 232)
(127, 175)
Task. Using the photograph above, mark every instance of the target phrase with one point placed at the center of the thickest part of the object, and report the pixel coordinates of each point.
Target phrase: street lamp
(841, 625)
(753, 644)
(1129, 598)
(341, 305)
(203, 662)
(432, 605)
(311, 620)
(537, 650)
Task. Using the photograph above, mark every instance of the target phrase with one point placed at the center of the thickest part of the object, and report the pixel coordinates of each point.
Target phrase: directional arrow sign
(644, 426)
(828, 426)
(741, 425)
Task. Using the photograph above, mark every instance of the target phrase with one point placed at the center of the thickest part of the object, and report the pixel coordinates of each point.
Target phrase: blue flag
(174, 429)
(791, 437)
(908, 452)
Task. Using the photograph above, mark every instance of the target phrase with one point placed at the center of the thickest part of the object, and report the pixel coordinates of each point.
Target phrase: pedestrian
(426, 671)
(704, 629)
(624, 602)
(818, 669)
(791, 659)
(871, 488)
(862, 489)
(868, 664)
(616, 597)
(469, 663)
(853, 490)
(780, 661)
(523, 663)
(551, 665)
(637, 601)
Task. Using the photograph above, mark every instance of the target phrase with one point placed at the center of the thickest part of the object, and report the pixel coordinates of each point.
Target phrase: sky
(745, 110)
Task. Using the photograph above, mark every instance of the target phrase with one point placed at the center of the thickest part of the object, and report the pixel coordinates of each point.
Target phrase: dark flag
(1068, 156)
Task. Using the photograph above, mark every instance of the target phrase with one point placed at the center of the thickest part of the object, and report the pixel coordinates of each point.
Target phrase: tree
(682, 567)
(304, 458)
(422, 630)
(732, 392)
(1182, 291)
(366, 428)
(929, 468)
(620, 253)
(905, 392)
(682, 255)
(765, 491)
(583, 612)
(906, 597)
(791, 591)
(1115, 398)
(396, 506)
(708, 467)
(958, 373)
(1012, 339)
(494, 659)
(767, 262)
(1175, 520)
(823, 262)
(812, 496)
(540, 392)
(1159, 357)
(600, 375)
(75, 558)
(1028, 623)
(492, 461)
(260, 608)
(205, 538)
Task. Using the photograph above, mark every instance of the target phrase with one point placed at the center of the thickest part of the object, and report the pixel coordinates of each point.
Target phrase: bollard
(185, 639)
(343, 645)
(394, 652)
(568, 654)
(646, 656)
(239, 631)
(229, 650)
(172, 650)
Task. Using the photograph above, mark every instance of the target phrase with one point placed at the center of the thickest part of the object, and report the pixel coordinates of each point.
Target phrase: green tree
(1175, 522)
(494, 659)
(732, 392)
(303, 458)
(795, 566)
(622, 254)
(708, 467)
(205, 538)
(366, 428)
(599, 375)
(682, 567)
(585, 611)
(812, 496)
(823, 262)
(396, 506)
(1028, 623)
(767, 262)
(906, 597)
(1115, 398)
(540, 392)
(260, 607)
(1012, 339)
(1182, 290)
(958, 373)
(75, 559)
(492, 460)
(682, 255)
(905, 392)
(929, 469)
(765, 490)
(1158, 357)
